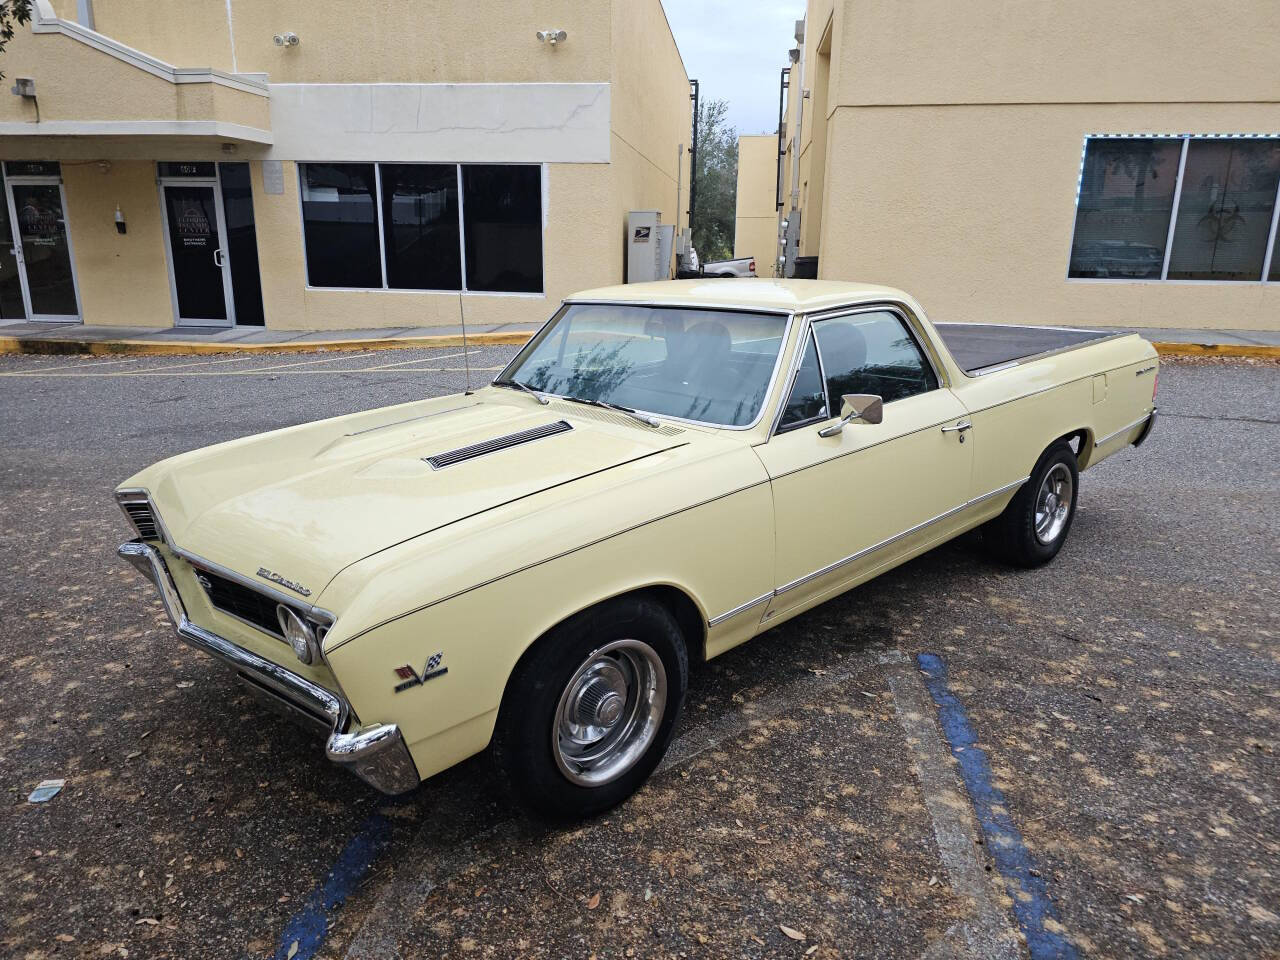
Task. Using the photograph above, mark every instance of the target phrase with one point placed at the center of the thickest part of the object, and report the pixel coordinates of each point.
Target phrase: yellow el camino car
(663, 472)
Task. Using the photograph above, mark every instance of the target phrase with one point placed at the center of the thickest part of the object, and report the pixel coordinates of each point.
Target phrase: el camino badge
(412, 678)
(266, 574)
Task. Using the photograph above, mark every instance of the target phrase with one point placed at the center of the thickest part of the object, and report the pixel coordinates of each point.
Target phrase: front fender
(718, 553)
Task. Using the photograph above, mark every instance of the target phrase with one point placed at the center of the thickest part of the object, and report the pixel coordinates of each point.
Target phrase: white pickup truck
(741, 267)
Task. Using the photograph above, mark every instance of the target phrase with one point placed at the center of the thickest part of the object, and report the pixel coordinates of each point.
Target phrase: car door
(850, 504)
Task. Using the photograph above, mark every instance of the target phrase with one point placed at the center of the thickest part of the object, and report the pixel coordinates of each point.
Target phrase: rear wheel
(590, 710)
(1035, 524)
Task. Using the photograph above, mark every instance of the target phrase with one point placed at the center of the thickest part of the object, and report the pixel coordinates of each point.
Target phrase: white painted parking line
(88, 359)
(401, 363)
(354, 355)
(988, 933)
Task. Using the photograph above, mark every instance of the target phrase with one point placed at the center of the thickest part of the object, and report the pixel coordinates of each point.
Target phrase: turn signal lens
(298, 632)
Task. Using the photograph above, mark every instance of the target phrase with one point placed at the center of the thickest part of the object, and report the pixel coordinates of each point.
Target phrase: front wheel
(1034, 526)
(590, 710)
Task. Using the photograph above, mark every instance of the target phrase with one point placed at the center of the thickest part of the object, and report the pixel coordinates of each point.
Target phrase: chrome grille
(254, 608)
(462, 454)
(143, 518)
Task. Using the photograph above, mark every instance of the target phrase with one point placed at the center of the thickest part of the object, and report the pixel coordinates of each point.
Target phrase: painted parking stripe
(307, 928)
(986, 932)
(1028, 890)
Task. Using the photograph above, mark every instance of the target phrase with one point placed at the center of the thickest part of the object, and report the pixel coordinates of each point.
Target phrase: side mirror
(856, 408)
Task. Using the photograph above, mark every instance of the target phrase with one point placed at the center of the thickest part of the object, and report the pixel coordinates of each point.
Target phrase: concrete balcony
(97, 98)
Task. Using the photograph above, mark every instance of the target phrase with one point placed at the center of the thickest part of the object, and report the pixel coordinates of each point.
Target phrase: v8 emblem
(412, 678)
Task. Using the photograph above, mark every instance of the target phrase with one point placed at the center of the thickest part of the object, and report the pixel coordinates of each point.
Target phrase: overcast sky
(736, 48)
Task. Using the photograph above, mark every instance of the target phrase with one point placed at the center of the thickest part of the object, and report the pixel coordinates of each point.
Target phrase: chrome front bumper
(376, 754)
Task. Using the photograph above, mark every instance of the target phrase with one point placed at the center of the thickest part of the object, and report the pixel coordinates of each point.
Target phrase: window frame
(1185, 138)
(909, 323)
(462, 241)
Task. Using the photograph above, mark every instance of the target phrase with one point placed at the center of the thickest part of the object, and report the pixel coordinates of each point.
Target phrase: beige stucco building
(755, 231)
(316, 165)
(1082, 163)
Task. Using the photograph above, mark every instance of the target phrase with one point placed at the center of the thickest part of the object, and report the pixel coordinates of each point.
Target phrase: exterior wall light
(552, 36)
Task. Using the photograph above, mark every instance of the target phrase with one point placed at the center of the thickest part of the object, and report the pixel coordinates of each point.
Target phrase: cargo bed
(982, 348)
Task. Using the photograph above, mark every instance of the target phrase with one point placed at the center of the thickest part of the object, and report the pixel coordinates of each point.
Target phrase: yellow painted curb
(13, 345)
(1256, 350)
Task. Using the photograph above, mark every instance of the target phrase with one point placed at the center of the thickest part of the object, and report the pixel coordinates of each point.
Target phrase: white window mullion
(377, 219)
(1271, 239)
(462, 240)
(1173, 214)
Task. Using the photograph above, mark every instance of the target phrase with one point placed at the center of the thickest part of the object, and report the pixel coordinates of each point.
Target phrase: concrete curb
(33, 345)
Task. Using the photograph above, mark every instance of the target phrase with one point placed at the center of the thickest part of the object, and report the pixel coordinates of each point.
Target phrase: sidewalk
(69, 338)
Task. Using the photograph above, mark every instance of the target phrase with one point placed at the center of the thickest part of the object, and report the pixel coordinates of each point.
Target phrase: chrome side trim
(867, 551)
(348, 744)
(741, 608)
(1125, 429)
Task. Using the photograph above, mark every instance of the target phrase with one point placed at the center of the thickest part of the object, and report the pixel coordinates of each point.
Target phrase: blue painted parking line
(1030, 894)
(308, 927)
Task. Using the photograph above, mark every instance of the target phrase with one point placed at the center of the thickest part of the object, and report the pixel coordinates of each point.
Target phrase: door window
(193, 242)
(808, 401)
(872, 353)
(42, 230)
(11, 303)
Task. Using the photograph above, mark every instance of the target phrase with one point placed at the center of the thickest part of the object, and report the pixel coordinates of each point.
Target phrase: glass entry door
(199, 267)
(35, 259)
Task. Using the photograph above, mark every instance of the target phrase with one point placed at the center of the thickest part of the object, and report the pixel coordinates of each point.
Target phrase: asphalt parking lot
(955, 760)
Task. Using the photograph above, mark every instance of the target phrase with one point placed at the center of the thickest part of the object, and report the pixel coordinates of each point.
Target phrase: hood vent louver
(451, 457)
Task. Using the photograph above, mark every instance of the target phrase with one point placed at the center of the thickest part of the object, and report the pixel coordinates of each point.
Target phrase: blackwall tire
(591, 708)
(1035, 524)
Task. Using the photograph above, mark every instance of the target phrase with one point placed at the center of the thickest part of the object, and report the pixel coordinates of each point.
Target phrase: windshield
(711, 366)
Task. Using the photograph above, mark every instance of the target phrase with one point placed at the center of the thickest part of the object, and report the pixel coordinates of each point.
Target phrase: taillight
(752, 266)
(1155, 386)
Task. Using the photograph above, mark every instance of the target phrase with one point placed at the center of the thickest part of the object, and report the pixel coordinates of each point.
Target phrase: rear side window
(807, 400)
(872, 353)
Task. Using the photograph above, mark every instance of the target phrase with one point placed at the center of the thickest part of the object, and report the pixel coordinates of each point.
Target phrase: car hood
(305, 502)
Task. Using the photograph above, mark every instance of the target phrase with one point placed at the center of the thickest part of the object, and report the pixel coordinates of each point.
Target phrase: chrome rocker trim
(377, 754)
(1148, 418)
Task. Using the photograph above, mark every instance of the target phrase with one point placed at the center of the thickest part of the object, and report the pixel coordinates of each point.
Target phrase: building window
(1224, 212)
(420, 226)
(340, 223)
(1177, 208)
(402, 226)
(502, 211)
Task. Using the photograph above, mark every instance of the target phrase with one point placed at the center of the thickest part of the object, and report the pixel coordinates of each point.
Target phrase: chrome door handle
(217, 256)
(960, 427)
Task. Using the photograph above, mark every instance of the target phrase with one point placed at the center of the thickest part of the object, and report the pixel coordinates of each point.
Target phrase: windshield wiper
(508, 382)
(644, 418)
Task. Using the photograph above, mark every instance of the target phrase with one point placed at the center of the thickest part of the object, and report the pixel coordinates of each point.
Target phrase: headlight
(299, 633)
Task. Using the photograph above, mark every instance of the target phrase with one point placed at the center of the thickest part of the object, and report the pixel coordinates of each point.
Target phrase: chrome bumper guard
(377, 754)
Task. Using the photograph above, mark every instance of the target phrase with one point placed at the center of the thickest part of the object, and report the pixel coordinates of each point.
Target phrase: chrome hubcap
(1053, 504)
(609, 712)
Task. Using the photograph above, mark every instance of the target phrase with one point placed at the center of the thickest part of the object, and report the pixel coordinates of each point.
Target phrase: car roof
(745, 293)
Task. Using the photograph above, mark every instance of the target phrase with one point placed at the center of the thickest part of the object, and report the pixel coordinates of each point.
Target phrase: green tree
(12, 13)
(717, 164)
